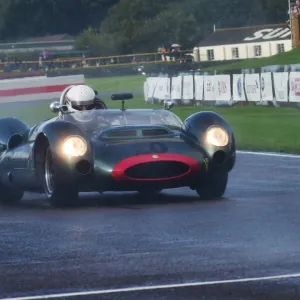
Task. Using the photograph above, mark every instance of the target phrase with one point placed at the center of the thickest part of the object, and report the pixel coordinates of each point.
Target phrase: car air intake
(154, 132)
(157, 170)
(122, 133)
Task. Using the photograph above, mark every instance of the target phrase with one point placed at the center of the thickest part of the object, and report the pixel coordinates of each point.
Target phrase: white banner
(294, 86)
(252, 87)
(199, 87)
(146, 90)
(209, 91)
(152, 81)
(188, 88)
(222, 87)
(280, 81)
(176, 88)
(162, 88)
(266, 86)
(238, 92)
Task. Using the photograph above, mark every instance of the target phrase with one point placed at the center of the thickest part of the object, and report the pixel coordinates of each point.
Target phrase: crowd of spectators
(295, 9)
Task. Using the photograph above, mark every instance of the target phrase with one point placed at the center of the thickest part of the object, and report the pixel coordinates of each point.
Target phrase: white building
(244, 43)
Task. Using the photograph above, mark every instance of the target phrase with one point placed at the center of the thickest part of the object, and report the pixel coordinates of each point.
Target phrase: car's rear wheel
(60, 194)
(10, 196)
(213, 186)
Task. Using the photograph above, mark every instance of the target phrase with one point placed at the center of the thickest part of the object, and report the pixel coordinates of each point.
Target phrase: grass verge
(285, 58)
(115, 84)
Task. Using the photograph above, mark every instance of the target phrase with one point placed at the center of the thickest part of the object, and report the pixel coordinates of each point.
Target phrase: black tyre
(59, 194)
(10, 196)
(213, 186)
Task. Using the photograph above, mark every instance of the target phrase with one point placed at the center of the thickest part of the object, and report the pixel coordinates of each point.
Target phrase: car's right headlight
(217, 136)
(74, 146)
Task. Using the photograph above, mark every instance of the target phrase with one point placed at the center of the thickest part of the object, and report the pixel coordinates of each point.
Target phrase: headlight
(217, 136)
(74, 146)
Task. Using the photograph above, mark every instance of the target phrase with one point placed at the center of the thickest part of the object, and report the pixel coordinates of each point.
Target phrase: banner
(162, 88)
(294, 87)
(152, 81)
(252, 87)
(146, 90)
(266, 86)
(176, 88)
(222, 87)
(257, 87)
(238, 92)
(199, 81)
(281, 86)
(209, 89)
(187, 88)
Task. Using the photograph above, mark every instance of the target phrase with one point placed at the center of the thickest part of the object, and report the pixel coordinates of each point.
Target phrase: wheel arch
(39, 153)
(196, 127)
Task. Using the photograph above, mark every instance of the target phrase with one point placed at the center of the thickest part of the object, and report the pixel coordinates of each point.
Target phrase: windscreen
(99, 119)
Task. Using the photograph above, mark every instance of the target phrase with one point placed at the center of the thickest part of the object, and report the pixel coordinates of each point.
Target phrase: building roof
(48, 41)
(49, 38)
(253, 34)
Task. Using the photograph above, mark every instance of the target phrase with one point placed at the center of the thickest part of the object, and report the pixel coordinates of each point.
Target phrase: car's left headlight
(217, 136)
(74, 146)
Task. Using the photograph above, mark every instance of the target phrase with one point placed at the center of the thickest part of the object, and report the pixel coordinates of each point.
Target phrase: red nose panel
(155, 167)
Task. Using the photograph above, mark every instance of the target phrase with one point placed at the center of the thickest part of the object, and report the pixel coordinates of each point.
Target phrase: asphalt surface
(119, 241)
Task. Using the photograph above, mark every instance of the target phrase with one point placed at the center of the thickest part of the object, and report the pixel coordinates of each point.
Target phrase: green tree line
(109, 27)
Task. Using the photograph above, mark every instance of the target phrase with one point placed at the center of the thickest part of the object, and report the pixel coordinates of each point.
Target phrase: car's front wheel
(213, 186)
(60, 194)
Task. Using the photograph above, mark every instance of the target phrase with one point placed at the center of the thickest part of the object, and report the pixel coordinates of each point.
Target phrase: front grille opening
(83, 167)
(153, 132)
(157, 170)
(219, 157)
(122, 133)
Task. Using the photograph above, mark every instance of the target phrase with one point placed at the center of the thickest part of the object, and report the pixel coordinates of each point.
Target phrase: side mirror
(122, 96)
(55, 107)
(168, 104)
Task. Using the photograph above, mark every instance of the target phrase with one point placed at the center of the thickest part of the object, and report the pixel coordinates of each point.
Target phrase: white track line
(155, 287)
(269, 154)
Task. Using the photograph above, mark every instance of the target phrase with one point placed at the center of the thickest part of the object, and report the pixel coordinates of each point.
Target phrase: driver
(83, 97)
(83, 100)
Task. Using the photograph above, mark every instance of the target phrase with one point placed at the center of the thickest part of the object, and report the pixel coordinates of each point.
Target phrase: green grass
(114, 84)
(256, 128)
(286, 58)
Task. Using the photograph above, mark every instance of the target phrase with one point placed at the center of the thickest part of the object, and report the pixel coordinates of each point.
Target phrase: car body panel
(116, 141)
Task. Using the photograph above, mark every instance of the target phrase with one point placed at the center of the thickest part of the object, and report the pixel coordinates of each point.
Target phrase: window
(280, 48)
(235, 52)
(257, 50)
(210, 54)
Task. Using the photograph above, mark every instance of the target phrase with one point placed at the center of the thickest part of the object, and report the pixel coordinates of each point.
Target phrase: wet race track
(171, 247)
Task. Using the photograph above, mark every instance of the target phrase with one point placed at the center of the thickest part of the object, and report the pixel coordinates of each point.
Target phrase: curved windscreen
(98, 119)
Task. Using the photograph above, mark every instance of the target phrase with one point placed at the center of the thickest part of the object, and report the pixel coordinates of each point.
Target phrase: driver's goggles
(84, 107)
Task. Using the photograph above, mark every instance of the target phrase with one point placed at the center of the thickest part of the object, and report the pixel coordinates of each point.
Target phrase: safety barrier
(36, 88)
(260, 88)
(20, 75)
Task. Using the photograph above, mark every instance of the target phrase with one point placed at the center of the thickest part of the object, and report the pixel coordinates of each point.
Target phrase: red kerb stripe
(35, 90)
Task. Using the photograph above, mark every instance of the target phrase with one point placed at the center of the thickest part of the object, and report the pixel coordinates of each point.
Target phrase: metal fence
(94, 62)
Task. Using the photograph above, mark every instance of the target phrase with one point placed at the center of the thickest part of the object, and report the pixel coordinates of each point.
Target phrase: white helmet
(80, 97)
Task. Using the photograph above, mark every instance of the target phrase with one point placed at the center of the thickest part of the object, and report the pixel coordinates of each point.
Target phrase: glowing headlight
(217, 136)
(74, 146)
